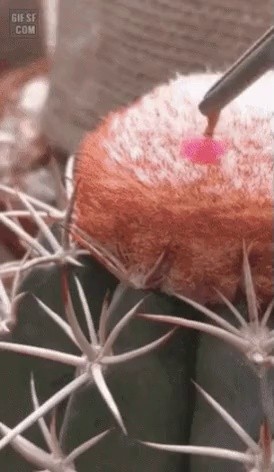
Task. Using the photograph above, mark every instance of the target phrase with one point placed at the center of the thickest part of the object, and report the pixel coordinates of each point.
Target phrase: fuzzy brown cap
(156, 219)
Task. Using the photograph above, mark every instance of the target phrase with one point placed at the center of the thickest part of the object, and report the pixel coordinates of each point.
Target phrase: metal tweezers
(257, 60)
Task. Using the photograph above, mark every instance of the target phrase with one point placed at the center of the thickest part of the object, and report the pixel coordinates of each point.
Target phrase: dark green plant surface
(153, 393)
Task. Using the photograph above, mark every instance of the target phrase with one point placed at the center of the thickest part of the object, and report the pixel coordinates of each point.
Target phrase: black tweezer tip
(257, 60)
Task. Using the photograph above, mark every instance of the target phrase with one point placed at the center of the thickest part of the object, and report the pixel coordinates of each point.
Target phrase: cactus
(114, 385)
(99, 373)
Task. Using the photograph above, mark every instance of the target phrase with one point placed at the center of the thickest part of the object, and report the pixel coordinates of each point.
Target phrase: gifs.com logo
(23, 23)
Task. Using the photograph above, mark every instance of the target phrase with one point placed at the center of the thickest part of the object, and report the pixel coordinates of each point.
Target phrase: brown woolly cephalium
(157, 219)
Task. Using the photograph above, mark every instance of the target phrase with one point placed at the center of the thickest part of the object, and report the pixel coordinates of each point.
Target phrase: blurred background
(104, 54)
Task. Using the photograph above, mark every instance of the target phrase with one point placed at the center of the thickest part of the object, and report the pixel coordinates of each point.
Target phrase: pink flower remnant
(203, 150)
